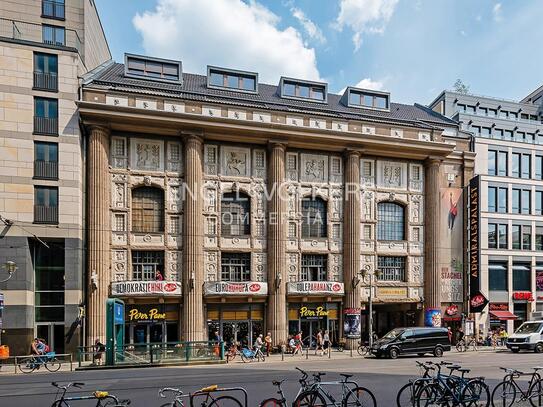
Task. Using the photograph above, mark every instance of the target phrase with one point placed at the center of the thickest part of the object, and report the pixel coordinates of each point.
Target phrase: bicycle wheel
(309, 398)
(52, 365)
(359, 397)
(504, 395)
(27, 365)
(273, 402)
(406, 395)
(430, 395)
(60, 403)
(535, 395)
(475, 394)
(362, 350)
(244, 358)
(225, 401)
(460, 347)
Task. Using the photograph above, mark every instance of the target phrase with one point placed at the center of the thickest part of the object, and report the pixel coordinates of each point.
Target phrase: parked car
(528, 336)
(403, 341)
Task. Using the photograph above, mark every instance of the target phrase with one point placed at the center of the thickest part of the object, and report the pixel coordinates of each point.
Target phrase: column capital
(433, 161)
(196, 136)
(352, 151)
(104, 128)
(277, 143)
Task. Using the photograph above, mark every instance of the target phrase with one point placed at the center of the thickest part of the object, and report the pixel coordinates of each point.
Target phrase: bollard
(329, 350)
(282, 353)
(307, 353)
(351, 351)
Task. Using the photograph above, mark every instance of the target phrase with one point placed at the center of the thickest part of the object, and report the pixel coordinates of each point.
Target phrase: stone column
(277, 235)
(98, 232)
(351, 234)
(193, 242)
(432, 224)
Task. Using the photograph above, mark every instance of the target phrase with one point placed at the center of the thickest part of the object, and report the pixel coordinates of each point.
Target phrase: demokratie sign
(316, 287)
(228, 288)
(141, 288)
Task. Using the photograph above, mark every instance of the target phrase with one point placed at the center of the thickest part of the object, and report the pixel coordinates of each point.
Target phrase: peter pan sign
(227, 288)
(313, 313)
(135, 288)
(315, 287)
(152, 314)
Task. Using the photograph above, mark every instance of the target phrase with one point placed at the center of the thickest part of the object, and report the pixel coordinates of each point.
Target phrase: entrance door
(53, 334)
(310, 328)
(237, 331)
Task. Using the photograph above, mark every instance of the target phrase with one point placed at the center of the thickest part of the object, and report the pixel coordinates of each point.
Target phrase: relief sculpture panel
(314, 168)
(235, 161)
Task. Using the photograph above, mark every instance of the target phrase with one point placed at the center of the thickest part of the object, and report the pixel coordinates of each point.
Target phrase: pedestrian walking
(99, 349)
(268, 342)
(319, 348)
(326, 339)
(298, 344)
(449, 334)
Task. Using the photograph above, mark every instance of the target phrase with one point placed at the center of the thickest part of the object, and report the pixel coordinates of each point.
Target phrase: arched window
(147, 210)
(313, 217)
(391, 221)
(235, 214)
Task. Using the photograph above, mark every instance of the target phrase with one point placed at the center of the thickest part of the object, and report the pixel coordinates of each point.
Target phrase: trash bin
(4, 352)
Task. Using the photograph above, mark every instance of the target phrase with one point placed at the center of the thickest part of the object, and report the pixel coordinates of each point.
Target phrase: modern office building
(216, 202)
(45, 47)
(509, 147)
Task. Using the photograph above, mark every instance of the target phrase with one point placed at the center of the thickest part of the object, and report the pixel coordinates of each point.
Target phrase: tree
(461, 87)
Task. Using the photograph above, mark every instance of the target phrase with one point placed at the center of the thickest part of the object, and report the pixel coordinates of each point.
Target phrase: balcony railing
(31, 32)
(52, 9)
(45, 214)
(46, 125)
(45, 169)
(46, 81)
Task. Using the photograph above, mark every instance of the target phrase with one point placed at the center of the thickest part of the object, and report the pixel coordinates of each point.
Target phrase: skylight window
(367, 99)
(232, 79)
(137, 66)
(297, 89)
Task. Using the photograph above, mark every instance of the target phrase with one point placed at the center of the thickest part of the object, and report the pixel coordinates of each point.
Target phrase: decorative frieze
(415, 209)
(174, 107)
(368, 206)
(119, 192)
(174, 163)
(391, 175)
(173, 272)
(314, 168)
(262, 117)
(335, 269)
(119, 265)
(146, 104)
(116, 100)
(211, 265)
(416, 270)
(259, 267)
(293, 267)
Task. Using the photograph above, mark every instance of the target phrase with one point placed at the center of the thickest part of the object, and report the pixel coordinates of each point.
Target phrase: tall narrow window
(515, 198)
(45, 204)
(314, 267)
(502, 200)
(235, 267)
(45, 160)
(497, 276)
(526, 201)
(492, 162)
(515, 165)
(516, 237)
(526, 237)
(235, 214)
(538, 203)
(538, 171)
(391, 221)
(45, 71)
(147, 210)
(314, 218)
(492, 236)
(502, 163)
(539, 237)
(526, 165)
(45, 116)
(492, 196)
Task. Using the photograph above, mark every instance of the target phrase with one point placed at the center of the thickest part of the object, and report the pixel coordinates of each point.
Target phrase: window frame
(226, 74)
(310, 207)
(238, 208)
(236, 266)
(314, 265)
(147, 210)
(390, 213)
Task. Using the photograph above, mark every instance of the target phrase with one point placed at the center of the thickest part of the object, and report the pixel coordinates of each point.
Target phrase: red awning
(503, 315)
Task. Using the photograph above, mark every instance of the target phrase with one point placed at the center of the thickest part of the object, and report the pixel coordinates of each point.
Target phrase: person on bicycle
(460, 335)
(38, 347)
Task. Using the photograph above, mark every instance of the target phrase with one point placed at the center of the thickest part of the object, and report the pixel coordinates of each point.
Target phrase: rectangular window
(119, 158)
(483, 111)
(174, 225)
(538, 203)
(516, 237)
(415, 173)
(539, 237)
(519, 136)
(416, 234)
(502, 236)
(45, 71)
(526, 237)
(526, 165)
(492, 196)
(366, 99)
(526, 201)
(486, 132)
(493, 162)
(497, 276)
(392, 268)
(521, 277)
(45, 160)
(152, 68)
(492, 112)
(45, 116)
(235, 267)
(147, 265)
(45, 204)
(367, 232)
(497, 236)
(502, 164)
(303, 90)
(508, 135)
(53, 35)
(336, 231)
(292, 161)
(515, 165)
(470, 109)
(314, 267)
(515, 198)
(259, 228)
(49, 269)
(52, 9)
(502, 200)
(223, 78)
(504, 114)
(120, 224)
(292, 230)
(538, 174)
(367, 169)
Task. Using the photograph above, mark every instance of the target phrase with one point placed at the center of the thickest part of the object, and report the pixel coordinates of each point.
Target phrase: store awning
(503, 315)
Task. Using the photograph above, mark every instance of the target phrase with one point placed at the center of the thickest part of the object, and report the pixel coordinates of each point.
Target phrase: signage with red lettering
(499, 306)
(477, 302)
(135, 288)
(523, 296)
(316, 287)
(451, 310)
(234, 288)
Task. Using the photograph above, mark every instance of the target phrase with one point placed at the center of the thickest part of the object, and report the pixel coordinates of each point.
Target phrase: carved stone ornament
(392, 175)
(236, 163)
(148, 156)
(147, 180)
(392, 196)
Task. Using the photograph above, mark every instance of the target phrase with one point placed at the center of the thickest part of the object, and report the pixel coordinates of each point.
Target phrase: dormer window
(367, 99)
(242, 81)
(295, 89)
(136, 66)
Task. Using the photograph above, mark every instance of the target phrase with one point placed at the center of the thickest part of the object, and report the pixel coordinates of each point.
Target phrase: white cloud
(497, 12)
(364, 16)
(463, 33)
(311, 29)
(369, 84)
(228, 33)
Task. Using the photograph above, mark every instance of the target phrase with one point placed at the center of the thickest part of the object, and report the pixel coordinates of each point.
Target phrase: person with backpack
(99, 349)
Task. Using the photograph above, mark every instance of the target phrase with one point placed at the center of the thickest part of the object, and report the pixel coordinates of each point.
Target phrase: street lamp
(372, 276)
(11, 268)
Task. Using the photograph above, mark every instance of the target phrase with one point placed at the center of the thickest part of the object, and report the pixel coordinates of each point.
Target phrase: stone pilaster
(277, 235)
(98, 232)
(432, 282)
(193, 242)
(351, 232)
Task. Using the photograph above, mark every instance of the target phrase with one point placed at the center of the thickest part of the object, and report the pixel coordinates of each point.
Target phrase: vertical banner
(477, 301)
(432, 317)
(351, 323)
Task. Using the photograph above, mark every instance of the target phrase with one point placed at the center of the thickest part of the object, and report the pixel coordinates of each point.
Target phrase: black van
(403, 341)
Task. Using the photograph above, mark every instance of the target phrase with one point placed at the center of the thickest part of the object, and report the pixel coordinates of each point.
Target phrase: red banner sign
(499, 306)
(523, 296)
(242, 288)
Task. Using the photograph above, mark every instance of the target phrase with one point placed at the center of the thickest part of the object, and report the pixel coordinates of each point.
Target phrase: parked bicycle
(363, 348)
(232, 352)
(508, 392)
(406, 394)
(248, 355)
(274, 401)
(463, 345)
(35, 362)
(103, 398)
(206, 397)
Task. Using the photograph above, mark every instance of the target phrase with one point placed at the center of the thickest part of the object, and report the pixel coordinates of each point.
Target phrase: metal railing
(54, 9)
(45, 214)
(46, 125)
(24, 31)
(46, 81)
(46, 169)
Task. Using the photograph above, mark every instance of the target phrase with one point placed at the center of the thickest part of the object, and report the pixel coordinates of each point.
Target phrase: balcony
(24, 32)
(45, 214)
(45, 81)
(45, 169)
(46, 125)
(52, 9)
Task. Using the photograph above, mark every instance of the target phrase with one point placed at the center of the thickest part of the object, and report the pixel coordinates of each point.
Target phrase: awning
(503, 315)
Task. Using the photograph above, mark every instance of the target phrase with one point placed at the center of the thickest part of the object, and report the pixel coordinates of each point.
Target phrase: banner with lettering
(477, 300)
(135, 288)
(316, 287)
(241, 288)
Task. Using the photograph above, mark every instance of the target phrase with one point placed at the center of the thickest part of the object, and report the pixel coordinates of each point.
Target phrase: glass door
(53, 335)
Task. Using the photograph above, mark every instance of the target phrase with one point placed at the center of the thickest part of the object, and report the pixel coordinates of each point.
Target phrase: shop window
(521, 277)
(147, 210)
(235, 214)
(391, 221)
(147, 265)
(391, 268)
(497, 276)
(314, 267)
(235, 267)
(314, 218)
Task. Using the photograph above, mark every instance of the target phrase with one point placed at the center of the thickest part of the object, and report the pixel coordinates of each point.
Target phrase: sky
(413, 49)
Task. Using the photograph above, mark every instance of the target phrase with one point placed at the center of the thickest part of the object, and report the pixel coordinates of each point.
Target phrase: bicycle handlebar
(162, 392)
(68, 385)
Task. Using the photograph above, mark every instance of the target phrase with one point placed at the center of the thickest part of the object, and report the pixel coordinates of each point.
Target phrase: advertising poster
(351, 323)
(432, 317)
